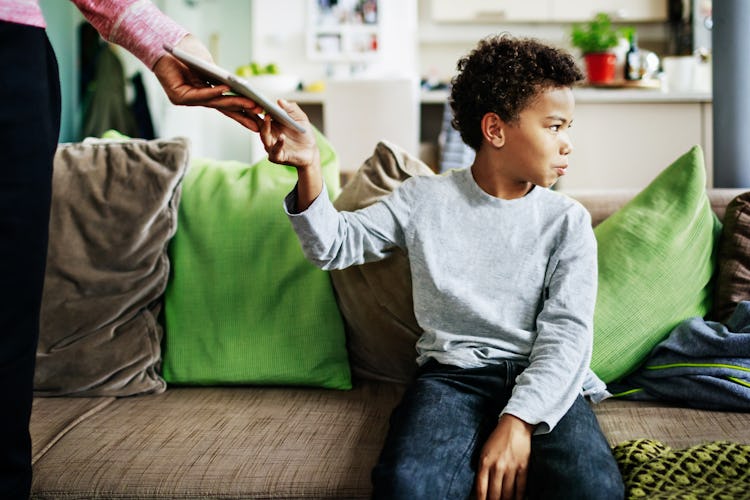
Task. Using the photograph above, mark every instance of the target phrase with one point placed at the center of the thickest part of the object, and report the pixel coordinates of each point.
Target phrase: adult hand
(504, 461)
(186, 87)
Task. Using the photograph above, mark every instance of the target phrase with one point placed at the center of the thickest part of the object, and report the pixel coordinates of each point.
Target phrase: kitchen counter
(582, 94)
(624, 96)
(602, 95)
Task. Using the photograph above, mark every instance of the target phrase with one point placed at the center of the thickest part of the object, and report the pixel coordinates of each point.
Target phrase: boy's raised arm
(287, 146)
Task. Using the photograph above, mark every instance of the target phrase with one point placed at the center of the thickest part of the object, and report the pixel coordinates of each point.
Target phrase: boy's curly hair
(502, 75)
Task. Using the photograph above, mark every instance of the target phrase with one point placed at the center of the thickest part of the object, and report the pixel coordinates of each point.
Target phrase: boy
(504, 284)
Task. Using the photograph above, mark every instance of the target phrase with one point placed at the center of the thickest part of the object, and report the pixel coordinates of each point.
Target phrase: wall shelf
(343, 31)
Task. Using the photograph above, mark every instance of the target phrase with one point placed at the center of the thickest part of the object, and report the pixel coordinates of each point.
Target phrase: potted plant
(596, 39)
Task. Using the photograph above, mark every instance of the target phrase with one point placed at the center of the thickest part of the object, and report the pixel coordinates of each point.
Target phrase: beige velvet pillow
(733, 273)
(376, 298)
(114, 210)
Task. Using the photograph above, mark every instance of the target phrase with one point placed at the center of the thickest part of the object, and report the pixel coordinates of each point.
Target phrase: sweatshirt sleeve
(137, 25)
(336, 240)
(560, 356)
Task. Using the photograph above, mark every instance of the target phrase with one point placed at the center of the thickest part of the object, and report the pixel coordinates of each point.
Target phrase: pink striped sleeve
(22, 12)
(137, 25)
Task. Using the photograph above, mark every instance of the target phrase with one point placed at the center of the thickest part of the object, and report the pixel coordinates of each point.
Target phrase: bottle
(633, 59)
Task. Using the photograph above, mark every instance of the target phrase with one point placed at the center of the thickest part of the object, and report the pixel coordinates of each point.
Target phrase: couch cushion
(733, 273)
(114, 209)
(52, 418)
(656, 262)
(199, 442)
(720, 199)
(671, 424)
(243, 305)
(236, 442)
(376, 298)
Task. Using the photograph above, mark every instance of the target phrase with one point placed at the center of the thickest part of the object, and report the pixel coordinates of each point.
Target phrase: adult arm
(141, 28)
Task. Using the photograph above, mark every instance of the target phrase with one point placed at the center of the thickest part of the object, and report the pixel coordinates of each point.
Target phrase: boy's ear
(493, 129)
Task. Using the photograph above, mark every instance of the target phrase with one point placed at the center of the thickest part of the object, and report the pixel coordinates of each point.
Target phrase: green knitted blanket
(650, 469)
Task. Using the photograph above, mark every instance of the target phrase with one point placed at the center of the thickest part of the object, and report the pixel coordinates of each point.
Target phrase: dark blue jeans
(447, 414)
(29, 129)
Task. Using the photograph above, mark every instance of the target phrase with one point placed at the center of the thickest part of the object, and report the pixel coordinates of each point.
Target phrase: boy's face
(537, 144)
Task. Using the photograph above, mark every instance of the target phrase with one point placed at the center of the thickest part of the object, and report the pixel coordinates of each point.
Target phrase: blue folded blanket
(702, 364)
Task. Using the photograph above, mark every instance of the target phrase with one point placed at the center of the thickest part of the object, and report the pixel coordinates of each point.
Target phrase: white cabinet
(489, 11)
(618, 10)
(344, 31)
(626, 145)
(357, 113)
(492, 11)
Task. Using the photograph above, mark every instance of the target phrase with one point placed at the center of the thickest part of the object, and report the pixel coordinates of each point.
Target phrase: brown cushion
(733, 273)
(114, 209)
(375, 298)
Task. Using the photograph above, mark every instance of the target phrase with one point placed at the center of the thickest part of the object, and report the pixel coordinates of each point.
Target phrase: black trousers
(29, 131)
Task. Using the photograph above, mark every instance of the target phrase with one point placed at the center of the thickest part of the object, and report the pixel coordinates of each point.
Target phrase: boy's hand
(287, 146)
(504, 461)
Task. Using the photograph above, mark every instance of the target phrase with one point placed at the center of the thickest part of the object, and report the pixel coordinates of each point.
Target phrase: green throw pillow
(656, 261)
(243, 305)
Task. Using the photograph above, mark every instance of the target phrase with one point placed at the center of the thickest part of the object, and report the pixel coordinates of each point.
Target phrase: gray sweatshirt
(493, 279)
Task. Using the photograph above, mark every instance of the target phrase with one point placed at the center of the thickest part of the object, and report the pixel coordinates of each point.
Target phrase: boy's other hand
(186, 87)
(504, 461)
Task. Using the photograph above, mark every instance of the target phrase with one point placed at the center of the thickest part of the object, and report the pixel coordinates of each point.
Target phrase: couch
(228, 439)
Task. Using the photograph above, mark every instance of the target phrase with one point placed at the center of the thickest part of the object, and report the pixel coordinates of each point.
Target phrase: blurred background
(332, 56)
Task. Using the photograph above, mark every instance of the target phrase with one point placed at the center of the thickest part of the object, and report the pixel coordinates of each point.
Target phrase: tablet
(236, 83)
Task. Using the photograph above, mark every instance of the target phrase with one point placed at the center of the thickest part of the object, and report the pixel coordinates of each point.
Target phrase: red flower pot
(600, 67)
